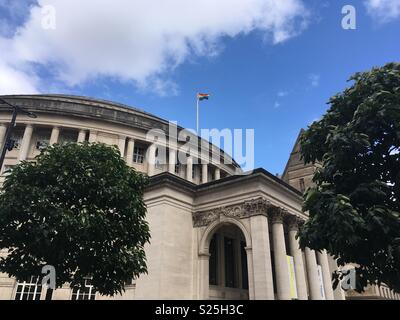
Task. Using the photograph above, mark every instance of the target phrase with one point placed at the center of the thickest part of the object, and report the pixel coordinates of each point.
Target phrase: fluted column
(204, 173)
(189, 169)
(326, 275)
(26, 142)
(297, 255)
(151, 160)
(92, 136)
(81, 136)
(3, 130)
(281, 266)
(262, 268)
(312, 273)
(217, 173)
(121, 145)
(55, 132)
(129, 151)
(172, 161)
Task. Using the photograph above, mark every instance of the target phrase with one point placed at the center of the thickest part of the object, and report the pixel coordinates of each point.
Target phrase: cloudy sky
(269, 65)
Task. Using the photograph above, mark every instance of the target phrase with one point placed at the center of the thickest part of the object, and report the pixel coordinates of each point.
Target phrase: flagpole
(197, 116)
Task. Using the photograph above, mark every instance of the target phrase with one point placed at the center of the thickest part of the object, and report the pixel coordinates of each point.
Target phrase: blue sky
(274, 75)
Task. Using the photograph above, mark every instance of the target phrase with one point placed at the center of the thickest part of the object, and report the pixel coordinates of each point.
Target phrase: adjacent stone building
(217, 233)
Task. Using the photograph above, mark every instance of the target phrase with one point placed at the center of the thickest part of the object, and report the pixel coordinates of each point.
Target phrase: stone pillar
(55, 132)
(3, 130)
(262, 268)
(326, 275)
(312, 273)
(151, 160)
(249, 256)
(204, 261)
(281, 266)
(26, 142)
(217, 174)
(92, 136)
(81, 136)
(172, 161)
(297, 255)
(189, 169)
(338, 293)
(121, 145)
(204, 173)
(129, 151)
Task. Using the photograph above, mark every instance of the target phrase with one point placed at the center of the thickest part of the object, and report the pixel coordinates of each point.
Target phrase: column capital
(293, 222)
(277, 214)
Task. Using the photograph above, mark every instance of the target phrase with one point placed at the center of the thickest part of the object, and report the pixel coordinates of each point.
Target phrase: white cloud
(14, 81)
(277, 104)
(282, 94)
(142, 41)
(383, 10)
(314, 79)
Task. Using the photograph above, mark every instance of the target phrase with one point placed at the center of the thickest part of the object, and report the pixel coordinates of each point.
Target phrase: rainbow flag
(203, 96)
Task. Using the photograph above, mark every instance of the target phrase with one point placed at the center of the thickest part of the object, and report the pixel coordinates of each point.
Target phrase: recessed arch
(208, 233)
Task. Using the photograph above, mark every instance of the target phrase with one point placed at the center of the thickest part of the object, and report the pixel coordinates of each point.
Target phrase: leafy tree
(79, 208)
(354, 205)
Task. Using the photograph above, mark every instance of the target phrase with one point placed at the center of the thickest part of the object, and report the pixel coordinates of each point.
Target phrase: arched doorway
(225, 255)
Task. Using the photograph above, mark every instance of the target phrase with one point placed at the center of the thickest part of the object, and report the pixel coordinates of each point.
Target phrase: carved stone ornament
(238, 211)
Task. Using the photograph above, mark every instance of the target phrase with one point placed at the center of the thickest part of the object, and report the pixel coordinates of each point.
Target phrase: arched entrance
(224, 269)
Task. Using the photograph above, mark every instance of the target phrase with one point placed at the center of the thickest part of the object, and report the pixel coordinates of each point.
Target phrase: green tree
(354, 206)
(79, 208)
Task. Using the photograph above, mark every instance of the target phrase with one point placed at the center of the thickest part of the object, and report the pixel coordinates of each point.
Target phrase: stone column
(297, 255)
(121, 145)
(326, 274)
(3, 130)
(262, 268)
(55, 132)
(217, 173)
(338, 293)
(92, 136)
(204, 261)
(172, 160)
(26, 142)
(81, 136)
(189, 168)
(151, 160)
(312, 273)
(281, 266)
(129, 151)
(250, 273)
(204, 173)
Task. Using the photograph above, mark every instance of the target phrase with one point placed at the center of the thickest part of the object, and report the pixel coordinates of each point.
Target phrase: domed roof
(92, 108)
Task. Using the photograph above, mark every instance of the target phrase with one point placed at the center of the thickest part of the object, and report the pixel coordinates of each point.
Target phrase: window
(213, 271)
(15, 141)
(85, 293)
(230, 279)
(138, 155)
(67, 137)
(42, 142)
(302, 185)
(29, 290)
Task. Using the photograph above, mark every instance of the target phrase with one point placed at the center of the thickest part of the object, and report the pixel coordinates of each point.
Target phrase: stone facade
(215, 233)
